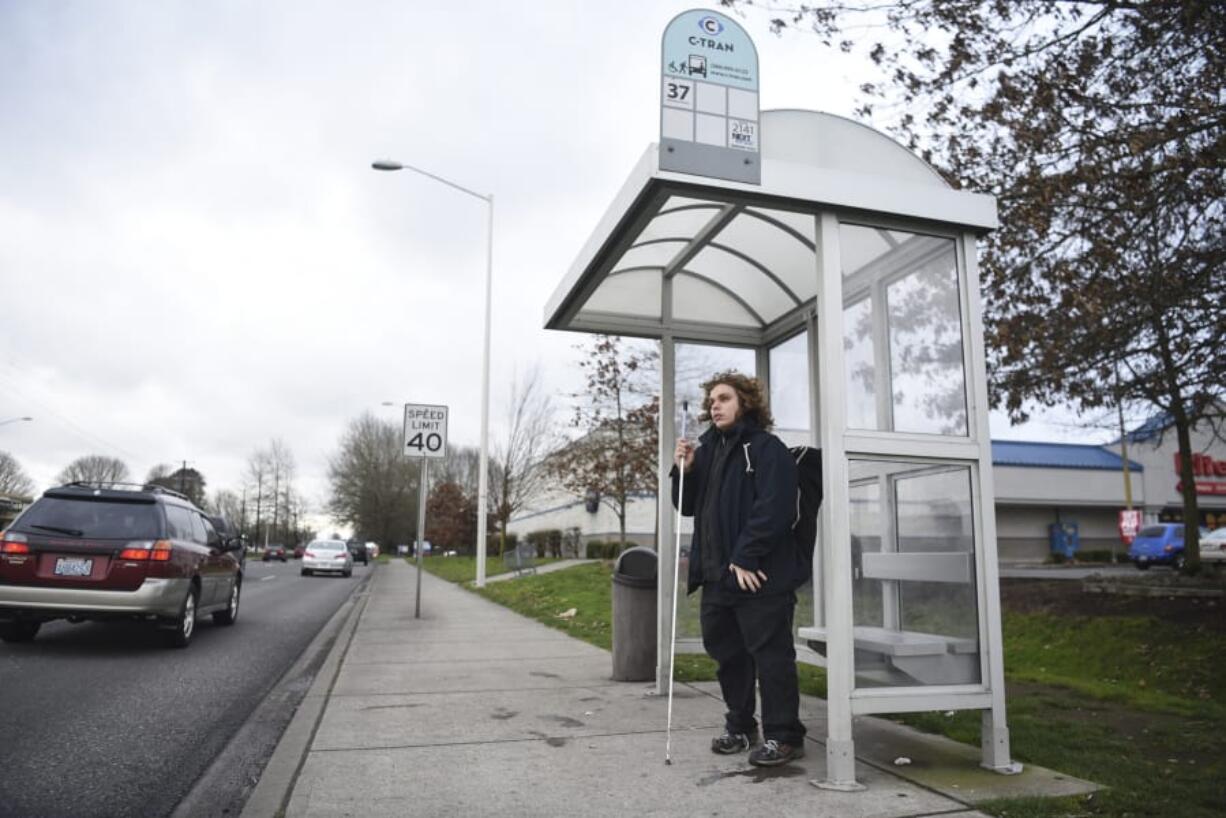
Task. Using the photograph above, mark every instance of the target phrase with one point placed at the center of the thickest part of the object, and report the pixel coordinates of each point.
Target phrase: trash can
(634, 615)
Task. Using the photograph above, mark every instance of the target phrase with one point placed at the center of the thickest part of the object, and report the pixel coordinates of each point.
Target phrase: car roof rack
(116, 485)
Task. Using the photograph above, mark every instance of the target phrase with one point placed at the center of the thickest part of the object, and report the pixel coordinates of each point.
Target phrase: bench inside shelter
(891, 655)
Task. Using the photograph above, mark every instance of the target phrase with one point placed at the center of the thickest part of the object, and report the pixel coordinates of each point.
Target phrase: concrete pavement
(475, 710)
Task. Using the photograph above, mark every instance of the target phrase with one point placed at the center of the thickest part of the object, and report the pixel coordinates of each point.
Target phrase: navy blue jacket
(757, 507)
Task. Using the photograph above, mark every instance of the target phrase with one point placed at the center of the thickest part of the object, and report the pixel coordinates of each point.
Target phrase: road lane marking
(265, 579)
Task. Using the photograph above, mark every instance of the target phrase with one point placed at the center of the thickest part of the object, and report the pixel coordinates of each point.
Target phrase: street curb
(271, 795)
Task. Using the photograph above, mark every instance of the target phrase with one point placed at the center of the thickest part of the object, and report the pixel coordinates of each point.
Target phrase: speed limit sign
(425, 430)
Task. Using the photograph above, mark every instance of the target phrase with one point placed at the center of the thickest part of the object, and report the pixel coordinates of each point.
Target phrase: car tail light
(341, 555)
(309, 555)
(158, 551)
(13, 543)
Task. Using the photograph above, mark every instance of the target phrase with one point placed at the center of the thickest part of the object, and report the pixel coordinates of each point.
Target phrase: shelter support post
(995, 731)
(666, 591)
(836, 578)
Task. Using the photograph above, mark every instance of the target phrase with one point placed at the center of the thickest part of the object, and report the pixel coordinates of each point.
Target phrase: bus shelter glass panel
(914, 597)
(695, 364)
(903, 336)
(789, 390)
(789, 403)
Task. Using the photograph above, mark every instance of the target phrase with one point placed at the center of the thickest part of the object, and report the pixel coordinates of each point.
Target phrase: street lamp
(13, 420)
(482, 478)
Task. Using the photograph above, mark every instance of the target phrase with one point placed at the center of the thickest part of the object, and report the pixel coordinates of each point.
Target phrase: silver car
(327, 555)
(1213, 547)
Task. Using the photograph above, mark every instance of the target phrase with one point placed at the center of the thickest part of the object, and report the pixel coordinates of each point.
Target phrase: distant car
(274, 552)
(358, 550)
(1213, 547)
(327, 555)
(1159, 544)
(298, 551)
(103, 551)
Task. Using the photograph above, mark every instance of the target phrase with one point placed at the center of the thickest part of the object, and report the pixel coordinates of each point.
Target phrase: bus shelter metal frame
(829, 195)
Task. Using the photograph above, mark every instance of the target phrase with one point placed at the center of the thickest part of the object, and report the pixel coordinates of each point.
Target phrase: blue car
(1160, 544)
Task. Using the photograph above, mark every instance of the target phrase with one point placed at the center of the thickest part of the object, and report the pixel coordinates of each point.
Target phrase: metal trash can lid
(637, 567)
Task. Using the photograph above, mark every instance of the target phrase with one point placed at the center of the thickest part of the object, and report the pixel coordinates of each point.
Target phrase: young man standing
(741, 489)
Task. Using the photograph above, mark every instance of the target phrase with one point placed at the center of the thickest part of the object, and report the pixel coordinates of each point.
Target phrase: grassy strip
(1138, 662)
(464, 569)
(1152, 764)
(1130, 703)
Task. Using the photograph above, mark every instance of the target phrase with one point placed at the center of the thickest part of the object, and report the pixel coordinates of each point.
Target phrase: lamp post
(14, 420)
(482, 477)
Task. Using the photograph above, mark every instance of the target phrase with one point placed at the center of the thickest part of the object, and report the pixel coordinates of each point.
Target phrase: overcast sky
(196, 256)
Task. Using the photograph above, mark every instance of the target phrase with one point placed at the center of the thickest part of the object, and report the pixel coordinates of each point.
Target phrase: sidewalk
(475, 710)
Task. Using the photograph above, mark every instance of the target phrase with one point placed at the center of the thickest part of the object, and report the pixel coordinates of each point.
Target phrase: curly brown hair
(750, 393)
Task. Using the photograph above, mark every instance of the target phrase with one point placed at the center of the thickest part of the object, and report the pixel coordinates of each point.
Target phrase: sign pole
(425, 436)
(421, 531)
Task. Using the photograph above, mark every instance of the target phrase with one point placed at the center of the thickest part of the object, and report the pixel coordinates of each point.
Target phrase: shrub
(598, 550)
(538, 540)
(494, 540)
(553, 542)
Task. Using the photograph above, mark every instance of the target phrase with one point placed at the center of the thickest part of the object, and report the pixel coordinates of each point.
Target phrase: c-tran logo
(711, 25)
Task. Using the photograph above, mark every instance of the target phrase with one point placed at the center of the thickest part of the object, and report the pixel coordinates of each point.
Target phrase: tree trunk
(621, 522)
(1187, 487)
(1187, 481)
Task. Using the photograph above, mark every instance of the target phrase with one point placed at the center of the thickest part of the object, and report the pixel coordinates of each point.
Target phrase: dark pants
(751, 636)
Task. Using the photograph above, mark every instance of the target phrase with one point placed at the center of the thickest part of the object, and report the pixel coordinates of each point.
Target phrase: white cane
(672, 642)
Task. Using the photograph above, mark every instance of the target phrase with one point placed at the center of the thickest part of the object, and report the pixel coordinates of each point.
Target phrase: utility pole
(276, 497)
(259, 506)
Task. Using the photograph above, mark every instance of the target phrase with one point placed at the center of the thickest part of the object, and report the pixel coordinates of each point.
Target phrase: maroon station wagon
(104, 551)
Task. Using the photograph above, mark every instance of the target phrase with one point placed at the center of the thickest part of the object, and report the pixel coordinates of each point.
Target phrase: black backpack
(808, 502)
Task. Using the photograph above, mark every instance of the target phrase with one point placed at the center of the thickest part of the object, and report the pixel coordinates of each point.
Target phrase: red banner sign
(1130, 524)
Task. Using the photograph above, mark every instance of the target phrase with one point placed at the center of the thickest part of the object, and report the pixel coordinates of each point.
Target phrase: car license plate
(72, 567)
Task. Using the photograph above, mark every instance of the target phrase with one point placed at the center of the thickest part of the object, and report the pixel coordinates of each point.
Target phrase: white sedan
(327, 555)
(1213, 547)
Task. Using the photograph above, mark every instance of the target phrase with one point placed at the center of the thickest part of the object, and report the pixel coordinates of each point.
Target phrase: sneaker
(772, 754)
(729, 743)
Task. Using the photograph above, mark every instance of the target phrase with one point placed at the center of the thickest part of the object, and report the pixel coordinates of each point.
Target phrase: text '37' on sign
(425, 430)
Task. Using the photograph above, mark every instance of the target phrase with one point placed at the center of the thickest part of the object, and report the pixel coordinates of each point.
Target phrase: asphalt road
(101, 720)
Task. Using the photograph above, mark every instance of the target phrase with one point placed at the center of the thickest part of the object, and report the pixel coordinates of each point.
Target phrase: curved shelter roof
(709, 259)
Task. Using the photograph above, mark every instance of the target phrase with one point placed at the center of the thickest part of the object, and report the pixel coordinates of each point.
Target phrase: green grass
(1136, 705)
(586, 588)
(464, 569)
(1134, 661)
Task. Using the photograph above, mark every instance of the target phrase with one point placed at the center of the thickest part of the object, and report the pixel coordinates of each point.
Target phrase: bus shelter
(847, 282)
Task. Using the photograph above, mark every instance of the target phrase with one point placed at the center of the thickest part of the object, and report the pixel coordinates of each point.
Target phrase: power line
(87, 435)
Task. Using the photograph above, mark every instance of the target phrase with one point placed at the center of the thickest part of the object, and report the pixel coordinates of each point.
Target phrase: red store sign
(1204, 466)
